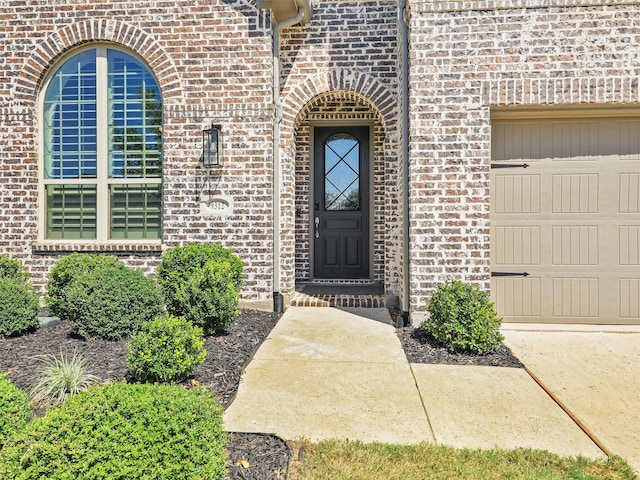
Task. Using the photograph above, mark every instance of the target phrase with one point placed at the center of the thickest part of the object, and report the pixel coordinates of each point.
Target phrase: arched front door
(340, 228)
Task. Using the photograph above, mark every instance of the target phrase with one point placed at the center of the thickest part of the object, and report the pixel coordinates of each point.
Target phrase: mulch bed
(421, 347)
(251, 456)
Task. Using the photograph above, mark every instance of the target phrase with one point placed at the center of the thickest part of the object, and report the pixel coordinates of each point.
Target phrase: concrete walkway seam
(575, 419)
(424, 407)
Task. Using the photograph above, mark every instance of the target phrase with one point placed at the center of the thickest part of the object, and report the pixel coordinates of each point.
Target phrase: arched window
(101, 149)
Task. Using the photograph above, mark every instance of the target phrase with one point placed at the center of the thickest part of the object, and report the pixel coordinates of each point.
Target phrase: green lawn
(342, 460)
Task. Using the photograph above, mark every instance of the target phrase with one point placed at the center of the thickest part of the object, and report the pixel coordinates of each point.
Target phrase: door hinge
(509, 274)
(510, 165)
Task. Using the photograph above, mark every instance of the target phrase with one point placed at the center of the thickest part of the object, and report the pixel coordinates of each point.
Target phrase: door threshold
(339, 296)
(340, 287)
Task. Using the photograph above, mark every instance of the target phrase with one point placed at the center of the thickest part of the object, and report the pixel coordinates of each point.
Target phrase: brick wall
(342, 66)
(468, 58)
(212, 60)
(338, 106)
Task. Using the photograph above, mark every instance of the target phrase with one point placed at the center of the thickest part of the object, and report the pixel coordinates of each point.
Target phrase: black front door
(341, 202)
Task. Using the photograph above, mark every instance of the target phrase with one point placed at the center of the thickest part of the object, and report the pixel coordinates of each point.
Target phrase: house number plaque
(216, 207)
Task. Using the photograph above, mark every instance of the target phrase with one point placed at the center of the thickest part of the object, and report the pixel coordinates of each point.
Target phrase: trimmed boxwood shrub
(124, 431)
(201, 283)
(10, 268)
(209, 297)
(166, 349)
(15, 409)
(111, 302)
(69, 268)
(19, 307)
(179, 263)
(463, 319)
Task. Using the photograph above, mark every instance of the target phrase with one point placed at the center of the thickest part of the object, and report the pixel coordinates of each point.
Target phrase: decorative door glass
(342, 173)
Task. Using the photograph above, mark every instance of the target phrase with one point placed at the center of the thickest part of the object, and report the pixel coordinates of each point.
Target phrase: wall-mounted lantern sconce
(212, 147)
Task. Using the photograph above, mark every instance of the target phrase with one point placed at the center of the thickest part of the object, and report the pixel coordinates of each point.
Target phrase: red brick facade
(469, 59)
(213, 62)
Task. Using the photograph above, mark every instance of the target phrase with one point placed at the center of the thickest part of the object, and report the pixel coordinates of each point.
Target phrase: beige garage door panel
(565, 220)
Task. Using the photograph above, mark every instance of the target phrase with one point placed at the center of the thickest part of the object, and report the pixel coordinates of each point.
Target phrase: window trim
(102, 180)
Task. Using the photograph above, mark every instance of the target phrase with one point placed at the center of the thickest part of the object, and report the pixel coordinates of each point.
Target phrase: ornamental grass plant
(60, 377)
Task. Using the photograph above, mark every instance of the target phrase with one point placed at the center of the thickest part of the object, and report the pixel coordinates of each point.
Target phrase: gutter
(403, 29)
(303, 16)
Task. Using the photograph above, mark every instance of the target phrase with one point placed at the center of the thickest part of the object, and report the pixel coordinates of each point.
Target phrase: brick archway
(359, 83)
(56, 44)
(378, 106)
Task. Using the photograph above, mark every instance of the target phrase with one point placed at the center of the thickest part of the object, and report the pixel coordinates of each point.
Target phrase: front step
(350, 295)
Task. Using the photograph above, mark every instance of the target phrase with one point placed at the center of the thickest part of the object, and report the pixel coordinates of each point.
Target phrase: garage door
(565, 220)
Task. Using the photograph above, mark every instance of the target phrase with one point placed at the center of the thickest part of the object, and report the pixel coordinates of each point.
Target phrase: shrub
(166, 349)
(112, 302)
(209, 297)
(125, 431)
(463, 319)
(66, 270)
(19, 307)
(15, 409)
(180, 263)
(10, 268)
(60, 377)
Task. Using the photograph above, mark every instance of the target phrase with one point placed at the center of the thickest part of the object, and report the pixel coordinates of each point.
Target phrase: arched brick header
(94, 31)
(297, 103)
(361, 84)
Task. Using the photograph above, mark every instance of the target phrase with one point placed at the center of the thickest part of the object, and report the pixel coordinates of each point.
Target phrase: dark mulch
(421, 347)
(258, 457)
(227, 353)
(251, 456)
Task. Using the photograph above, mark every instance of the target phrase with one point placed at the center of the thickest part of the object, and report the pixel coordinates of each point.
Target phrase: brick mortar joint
(549, 91)
(455, 6)
(125, 248)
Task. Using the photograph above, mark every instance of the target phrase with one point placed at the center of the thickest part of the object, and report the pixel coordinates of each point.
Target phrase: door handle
(317, 222)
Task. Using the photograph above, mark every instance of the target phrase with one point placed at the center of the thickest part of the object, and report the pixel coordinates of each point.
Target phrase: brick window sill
(143, 248)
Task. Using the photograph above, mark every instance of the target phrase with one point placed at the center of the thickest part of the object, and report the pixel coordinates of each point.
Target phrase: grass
(342, 460)
(60, 377)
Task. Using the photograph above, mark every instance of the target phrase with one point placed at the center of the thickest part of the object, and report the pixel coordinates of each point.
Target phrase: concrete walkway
(329, 373)
(325, 373)
(594, 372)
